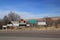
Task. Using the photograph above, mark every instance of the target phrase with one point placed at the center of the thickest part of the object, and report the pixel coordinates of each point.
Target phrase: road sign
(32, 21)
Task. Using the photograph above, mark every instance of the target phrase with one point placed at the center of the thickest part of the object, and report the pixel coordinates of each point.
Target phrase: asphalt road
(30, 35)
(27, 38)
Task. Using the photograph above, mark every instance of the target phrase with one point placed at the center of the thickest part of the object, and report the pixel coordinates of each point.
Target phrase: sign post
(32, 22)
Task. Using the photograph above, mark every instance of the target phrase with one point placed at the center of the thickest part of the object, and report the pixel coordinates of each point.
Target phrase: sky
(28, 9)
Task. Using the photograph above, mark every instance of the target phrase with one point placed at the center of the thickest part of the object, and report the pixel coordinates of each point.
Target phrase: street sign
(32, 21)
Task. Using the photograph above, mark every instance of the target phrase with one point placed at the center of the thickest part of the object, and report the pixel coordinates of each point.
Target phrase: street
(30, 35)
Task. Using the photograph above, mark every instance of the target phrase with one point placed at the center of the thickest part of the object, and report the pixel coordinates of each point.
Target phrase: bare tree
(57, 23)
(49, 21)
(13, 16)
(1, 23)
(5, 20)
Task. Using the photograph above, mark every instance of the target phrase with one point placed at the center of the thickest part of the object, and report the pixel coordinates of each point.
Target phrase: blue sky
(30, 8)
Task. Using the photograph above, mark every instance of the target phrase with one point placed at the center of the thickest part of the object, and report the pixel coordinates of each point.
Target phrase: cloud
(26, 15)
(29, 15)
(3, 13)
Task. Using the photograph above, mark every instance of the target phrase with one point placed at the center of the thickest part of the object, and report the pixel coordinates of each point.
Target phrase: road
(30, 35)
